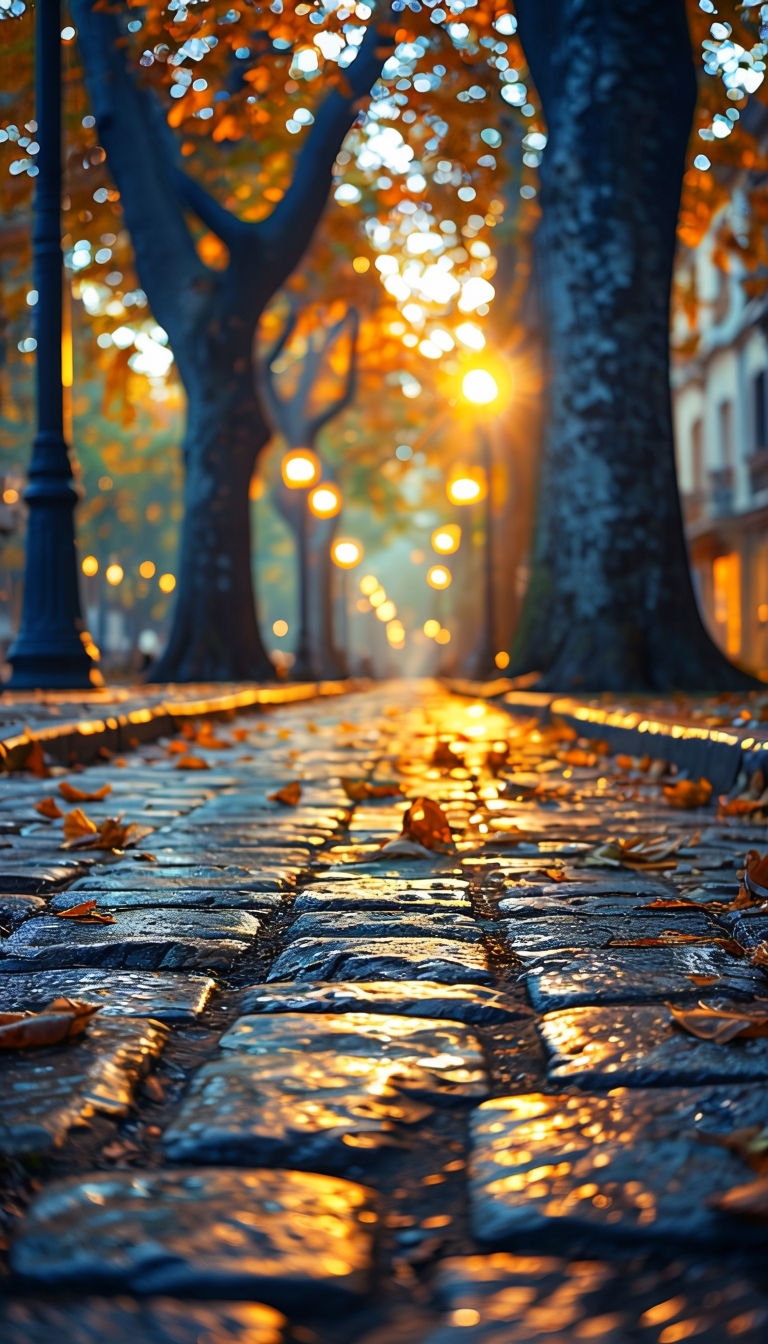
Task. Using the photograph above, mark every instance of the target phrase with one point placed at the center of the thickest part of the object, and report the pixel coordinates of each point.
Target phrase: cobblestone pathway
(353, 1097)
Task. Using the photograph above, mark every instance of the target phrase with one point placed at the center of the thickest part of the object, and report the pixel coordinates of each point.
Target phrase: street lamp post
(346, 555)
(300, 470)
(48, 651)
(481, 389)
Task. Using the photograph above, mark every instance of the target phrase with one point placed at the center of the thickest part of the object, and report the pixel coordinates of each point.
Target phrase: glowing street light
(368, 584)
(480, 387)
(325, 500)
(431, 627)
(439, 577)
(300, 468)
(346, 553)
(386, 612)
(114, 574)
(447, 539)
(90, 565)
(467, 487)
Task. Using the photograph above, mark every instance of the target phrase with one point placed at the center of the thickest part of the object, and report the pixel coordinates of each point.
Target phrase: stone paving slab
(138, 940)
(153, 994)
(45, 1092)
(644, 975)
(526, 1299)
(748, 927)
(154, 878)
(590, 1170)
(449, 1051)
(401, 959)
(367, 894)
(379, 924)
(582, 931)
(31, 877)
(125, 1320)
(639, 1046)
(260, 903)
(15, 909)
(292, 1240)
(476, 1005)
(613, 907)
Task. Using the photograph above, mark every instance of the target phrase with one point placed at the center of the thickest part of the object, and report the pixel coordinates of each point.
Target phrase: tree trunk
(331, 661)
(610, 604)
(214, 634)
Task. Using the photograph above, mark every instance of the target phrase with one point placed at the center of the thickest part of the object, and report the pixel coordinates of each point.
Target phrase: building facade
(720, 400)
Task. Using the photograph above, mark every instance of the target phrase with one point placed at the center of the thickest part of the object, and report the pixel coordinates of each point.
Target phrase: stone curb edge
(78, 740)
(717, 754)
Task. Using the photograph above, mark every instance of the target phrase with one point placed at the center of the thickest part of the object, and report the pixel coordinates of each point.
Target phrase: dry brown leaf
(77, 824)
(283, 734)
(662, 939)
(85, 914)
(207, 738)
(625, 762)
(672, 903)
(177, 748)
(71, 794)
(288, 796)
(756, 875)
(240, 734)
(402, 848)
(703, 981)
(188, 762)
(688, 793)
(748, 1201)
(426, 823)
(445, 756)
(357, 790)
(739, 807)
(655, 852)
(188, 730)
(721, 1025)
(60, 1020)
(48, 807)
(27, 755)
(577, 756)
(554, 874)
(759, 956)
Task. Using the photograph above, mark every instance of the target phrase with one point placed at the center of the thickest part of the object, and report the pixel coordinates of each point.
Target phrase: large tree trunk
(214, 635)
(610, 604)
(331, 661)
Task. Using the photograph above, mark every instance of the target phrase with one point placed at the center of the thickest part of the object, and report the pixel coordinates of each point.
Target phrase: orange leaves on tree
(86, 913)
(60, 1020)
(71, 794)
(685, 793)
(48, 807)
(288, 796)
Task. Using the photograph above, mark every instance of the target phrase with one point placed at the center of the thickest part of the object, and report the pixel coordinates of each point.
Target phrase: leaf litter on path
(60, 1020)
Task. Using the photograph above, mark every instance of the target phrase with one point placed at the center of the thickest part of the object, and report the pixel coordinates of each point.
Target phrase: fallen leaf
(626, 762)
(27, 755)
(48, 807)
(702, 981)
(662, 939)
(283, 734)
(207, 738)
(646, 852)
(749, 1201)
(357, 790)
(554, 874)
(240, 734)
(739, 807)
(688, 793)
(113, 833)
(177, 748)
(445, 756)
(72, 794)
(497, 757)
(577, 756)
(402, 848)
(721, 1025)
(188, 730)
(188, 762)
(85, 914)
(672, 903)
(759, 956)
(288, 796)
(77, 824)
(426, 823)
(60, 1020)
(756, 875)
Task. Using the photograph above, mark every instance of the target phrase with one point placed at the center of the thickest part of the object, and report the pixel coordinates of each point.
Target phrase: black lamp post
(48, 651)
(483, 662)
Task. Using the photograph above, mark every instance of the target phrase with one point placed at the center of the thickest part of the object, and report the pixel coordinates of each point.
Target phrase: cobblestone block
(400, 959)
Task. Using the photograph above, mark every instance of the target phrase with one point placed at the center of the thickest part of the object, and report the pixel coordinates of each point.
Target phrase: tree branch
(140, 150)
(288, 230)
(540, 28)
(351, 319)
(214, 216)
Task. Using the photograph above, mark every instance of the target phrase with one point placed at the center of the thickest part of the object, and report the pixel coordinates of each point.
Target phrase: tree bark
(610, 604)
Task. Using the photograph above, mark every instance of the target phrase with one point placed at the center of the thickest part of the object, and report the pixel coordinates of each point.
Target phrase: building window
(759, 411)
(697, 456)
(725, 426)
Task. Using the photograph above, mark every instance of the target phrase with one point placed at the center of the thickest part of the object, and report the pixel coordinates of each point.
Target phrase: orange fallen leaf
(357, 790)
(702, 981)
(288, 796)
(86, 913)
(554, 874)
(748, 1201)
(27, 755)
(177, 748)
(76, 824)
(188, 762)
(72, 794)
(662, 939)
(721, 1025)
(577, 756)
(739, 807)
(426, 823)
(625, 762)
(207, 738)
(672, 903)
(756, 875)
(759, 957)
(187, 729)
(48, 807)
(283, 734)
(688, 793)
(60, 1020)
(446, 755)
(240, 734)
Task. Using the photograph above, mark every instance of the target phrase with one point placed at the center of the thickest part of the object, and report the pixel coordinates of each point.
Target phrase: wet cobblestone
(343, 1095)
